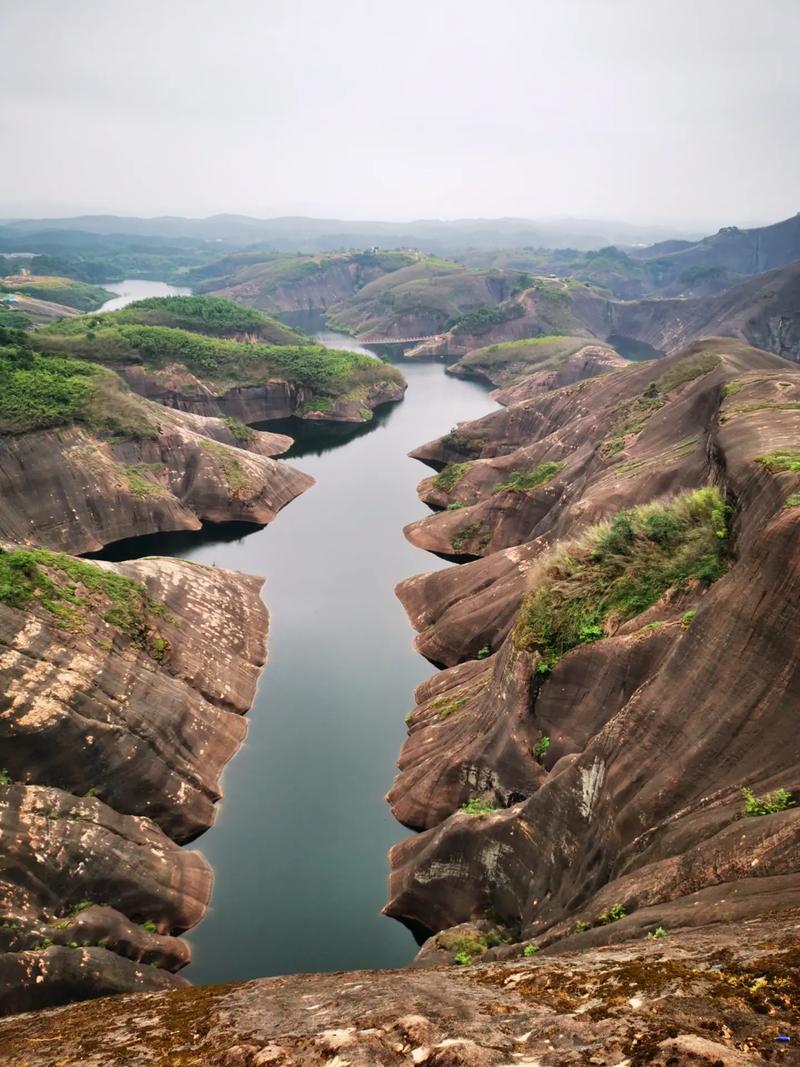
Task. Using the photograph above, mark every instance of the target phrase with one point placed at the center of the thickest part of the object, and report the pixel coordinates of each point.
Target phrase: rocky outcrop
(697, 997)
(275, 398)
(75, 490)
(606, 788)
(123, 692)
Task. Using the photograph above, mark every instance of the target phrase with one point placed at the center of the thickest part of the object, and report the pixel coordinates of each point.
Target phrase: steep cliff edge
(698, 998)
(124, 689)
(84, 462)
(582, 759)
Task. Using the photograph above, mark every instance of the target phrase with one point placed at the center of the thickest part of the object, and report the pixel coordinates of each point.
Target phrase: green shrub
(768, 804)
(483, 653)
(792, 501)
(614, 914)
(478, 806)
(530, 950)
(5, 778)
(525, 481)
(150, 927)
(462, 958)
(581, 927)
(621, 568)
(483, 318)
(657, 934)
(541, 747)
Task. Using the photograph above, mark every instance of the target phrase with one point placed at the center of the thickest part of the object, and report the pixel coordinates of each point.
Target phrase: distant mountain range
(299, 234)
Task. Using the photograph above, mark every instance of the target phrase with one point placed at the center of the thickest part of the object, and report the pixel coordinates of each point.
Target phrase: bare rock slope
(710, 997)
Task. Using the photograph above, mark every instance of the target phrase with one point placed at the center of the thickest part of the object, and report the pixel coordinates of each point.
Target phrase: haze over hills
(300, 234)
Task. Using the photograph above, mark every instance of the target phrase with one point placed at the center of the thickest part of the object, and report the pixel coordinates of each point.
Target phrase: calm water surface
(299, 846)
(137, 289)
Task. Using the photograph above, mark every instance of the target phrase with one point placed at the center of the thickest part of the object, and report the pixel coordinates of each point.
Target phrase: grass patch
(781, 461)
(621, 568)
(444, 708)
(241, 434)
(525, 481)
(452, 473)
(138, 484)
(74, 591)
(792, 501)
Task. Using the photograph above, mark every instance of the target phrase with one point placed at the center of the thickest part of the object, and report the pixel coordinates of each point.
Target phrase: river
(299, 846)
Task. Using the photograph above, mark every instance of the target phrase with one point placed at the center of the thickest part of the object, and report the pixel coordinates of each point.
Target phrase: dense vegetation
(325, 371)
(65, 291)
(74, 591)
(621, 568)
(212, 315)
(481, 319)
(39, 391)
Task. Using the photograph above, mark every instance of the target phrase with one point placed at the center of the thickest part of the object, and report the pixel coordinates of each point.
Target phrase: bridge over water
(398, 340)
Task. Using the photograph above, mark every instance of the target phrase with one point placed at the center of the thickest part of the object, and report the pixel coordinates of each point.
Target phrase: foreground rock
(122, 699)
(718, 996)
(76, 489)
(603, 782)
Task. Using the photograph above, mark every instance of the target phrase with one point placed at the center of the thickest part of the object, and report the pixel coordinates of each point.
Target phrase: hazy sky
(648, 110)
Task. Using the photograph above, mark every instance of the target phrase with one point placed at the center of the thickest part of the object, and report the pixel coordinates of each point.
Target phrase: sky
(652, 111)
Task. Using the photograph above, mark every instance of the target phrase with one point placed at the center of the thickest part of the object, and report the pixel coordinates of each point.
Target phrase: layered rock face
(711, 997)
(603, 784)
(124, 688)
(71, 489)
(275, 398)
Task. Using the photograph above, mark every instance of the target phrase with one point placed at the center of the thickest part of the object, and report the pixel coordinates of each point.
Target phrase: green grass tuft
(769, 804)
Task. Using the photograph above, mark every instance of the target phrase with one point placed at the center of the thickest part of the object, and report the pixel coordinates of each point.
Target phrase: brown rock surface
(72, 490)
(113, 738)
(653, 730)
(719, 995)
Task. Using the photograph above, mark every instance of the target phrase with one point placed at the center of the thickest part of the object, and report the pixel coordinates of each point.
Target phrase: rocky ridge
(604, 789)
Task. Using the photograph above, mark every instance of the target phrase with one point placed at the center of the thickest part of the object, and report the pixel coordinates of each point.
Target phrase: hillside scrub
(483, 318)
(621, 568)
(40, 391)
(327, 371)
(212, 315)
